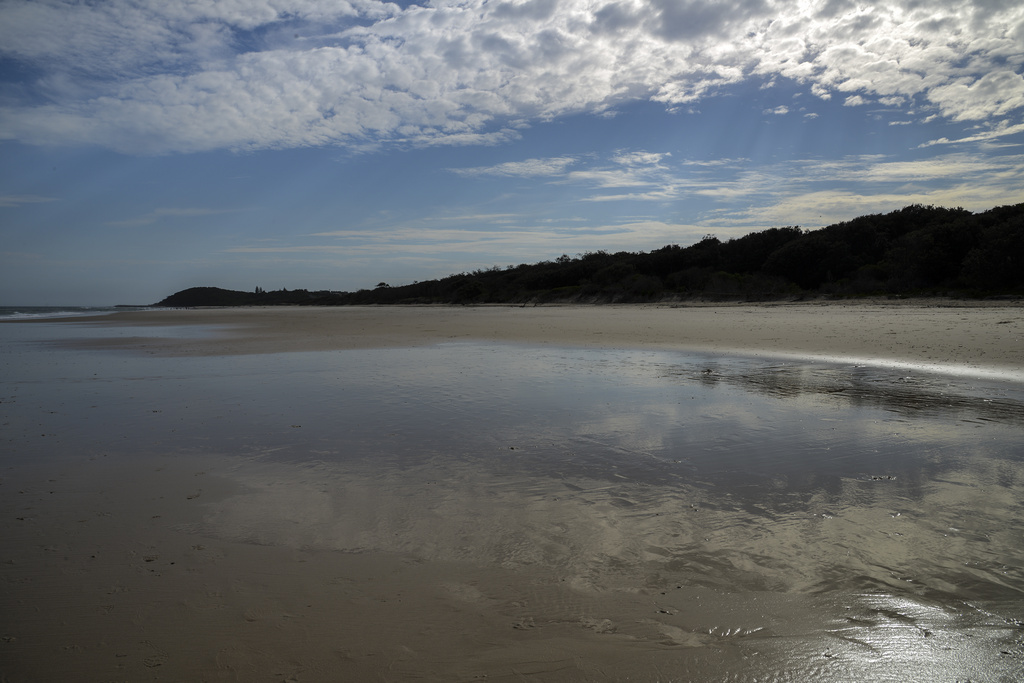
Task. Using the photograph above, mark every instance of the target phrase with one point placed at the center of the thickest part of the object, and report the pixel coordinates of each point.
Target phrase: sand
(147, 561)
(944, 335)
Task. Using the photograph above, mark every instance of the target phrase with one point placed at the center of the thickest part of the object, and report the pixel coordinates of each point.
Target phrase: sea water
(42, 312)
(884, 502)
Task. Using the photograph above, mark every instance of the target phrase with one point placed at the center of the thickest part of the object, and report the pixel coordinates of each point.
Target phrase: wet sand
(145, 544)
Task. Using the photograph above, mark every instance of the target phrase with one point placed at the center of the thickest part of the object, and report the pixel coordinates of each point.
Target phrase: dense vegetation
(918, 250)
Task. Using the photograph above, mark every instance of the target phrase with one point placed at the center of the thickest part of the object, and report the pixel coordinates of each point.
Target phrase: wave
(35, 312)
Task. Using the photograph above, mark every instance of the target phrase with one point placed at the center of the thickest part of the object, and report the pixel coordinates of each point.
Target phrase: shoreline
(935, 336)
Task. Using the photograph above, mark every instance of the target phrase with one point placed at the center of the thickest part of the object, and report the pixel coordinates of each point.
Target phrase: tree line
(914, 251)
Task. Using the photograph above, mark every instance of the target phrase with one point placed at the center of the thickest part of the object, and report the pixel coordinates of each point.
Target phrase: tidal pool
(787, 520)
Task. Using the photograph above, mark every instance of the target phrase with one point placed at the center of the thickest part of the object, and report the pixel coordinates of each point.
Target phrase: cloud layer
(143, 76)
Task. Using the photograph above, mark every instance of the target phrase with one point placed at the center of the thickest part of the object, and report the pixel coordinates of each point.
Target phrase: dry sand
(943, 334)
(112, 570)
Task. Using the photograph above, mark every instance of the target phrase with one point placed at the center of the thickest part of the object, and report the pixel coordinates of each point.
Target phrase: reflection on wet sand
(869, 585)
(508, 512)
(678, 511)
(912, 394)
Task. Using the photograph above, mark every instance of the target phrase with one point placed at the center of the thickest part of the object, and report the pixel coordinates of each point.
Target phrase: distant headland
(915, 251)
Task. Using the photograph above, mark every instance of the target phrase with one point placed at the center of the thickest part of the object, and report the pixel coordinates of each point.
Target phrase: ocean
(21, 312)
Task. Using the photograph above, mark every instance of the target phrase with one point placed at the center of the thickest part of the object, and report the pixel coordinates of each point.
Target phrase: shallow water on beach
(788, 519)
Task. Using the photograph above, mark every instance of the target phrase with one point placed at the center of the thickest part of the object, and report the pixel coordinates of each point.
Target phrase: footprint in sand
(154, 661)
(463, 591)
(158, 658)
(598, 625)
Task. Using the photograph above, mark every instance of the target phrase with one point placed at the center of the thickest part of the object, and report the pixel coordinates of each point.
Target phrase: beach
(806, 491)
(948, 334)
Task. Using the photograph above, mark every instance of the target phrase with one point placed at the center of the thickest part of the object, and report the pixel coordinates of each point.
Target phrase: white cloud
(179, 75)
(973, 180)
(736, 196)
(529, 168)
(640, 158)
(526, 241)
(12, 200)
(816, 193)
(161, 213)
(986, 136)
(994, 94)
(644, 174)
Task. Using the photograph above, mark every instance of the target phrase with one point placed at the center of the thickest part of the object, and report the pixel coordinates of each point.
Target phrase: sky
(148, 146)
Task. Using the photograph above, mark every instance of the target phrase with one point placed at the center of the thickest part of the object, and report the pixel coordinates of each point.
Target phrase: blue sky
(148, 146)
